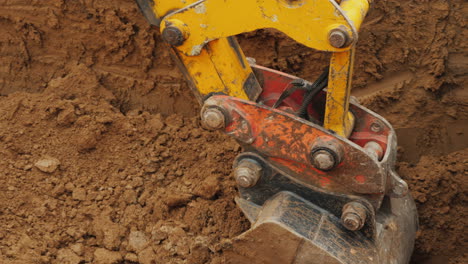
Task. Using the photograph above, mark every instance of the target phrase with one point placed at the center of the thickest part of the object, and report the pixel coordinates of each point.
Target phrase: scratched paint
(274, 18)
(200, 9)
(287, 143)
(196, 49)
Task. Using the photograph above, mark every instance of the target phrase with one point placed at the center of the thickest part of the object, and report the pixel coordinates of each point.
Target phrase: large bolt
(353, 216)
(338, 38)
(326, 153)
(374, 150)
(213, 119)
(247, 173)
(323, 160)
(173, 35)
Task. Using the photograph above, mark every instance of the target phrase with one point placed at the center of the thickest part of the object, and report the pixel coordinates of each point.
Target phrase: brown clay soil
(103, 159)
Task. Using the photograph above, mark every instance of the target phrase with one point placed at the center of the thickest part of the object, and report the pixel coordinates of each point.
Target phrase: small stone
(104, 256)
(137, 241)
(47, 164)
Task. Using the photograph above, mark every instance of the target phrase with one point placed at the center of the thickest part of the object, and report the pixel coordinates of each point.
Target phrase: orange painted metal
(286, 140)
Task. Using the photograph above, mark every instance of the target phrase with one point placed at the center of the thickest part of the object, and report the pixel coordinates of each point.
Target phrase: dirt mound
(103, 159)
(43, 40)
(438, 184)
(83, 182)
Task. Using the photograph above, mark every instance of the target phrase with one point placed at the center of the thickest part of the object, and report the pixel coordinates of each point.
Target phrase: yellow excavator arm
(200, 34)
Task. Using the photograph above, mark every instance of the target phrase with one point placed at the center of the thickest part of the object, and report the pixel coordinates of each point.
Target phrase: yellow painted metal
(163, 7)
(220, 67)
(233, 68)
(355, 10)
(307, 22)
(337, 115)
(180, 25)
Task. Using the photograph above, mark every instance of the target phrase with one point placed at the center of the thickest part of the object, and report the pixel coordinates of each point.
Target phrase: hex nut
(323, 160)
(374, 150)
(326, 153)
(173, 36)
(352, 222)
(338, 38)
(247, 173)
(213, 119)
(353, 216)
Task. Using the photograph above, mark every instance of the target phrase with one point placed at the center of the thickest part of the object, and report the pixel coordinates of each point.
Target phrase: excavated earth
(103, 159)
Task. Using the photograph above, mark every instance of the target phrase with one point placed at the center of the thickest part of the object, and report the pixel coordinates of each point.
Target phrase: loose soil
(104, 161)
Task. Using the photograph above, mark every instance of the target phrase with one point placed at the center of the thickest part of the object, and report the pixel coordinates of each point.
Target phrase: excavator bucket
(359, 212)
(289, 229)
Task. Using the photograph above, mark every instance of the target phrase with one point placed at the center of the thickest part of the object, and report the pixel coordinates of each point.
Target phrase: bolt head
(173, 36)
(376, 127)
(323, 160)
(247, 173)
(213, 119)
(352, 221)
(338, 38)
(354, 216)
(243, 179)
